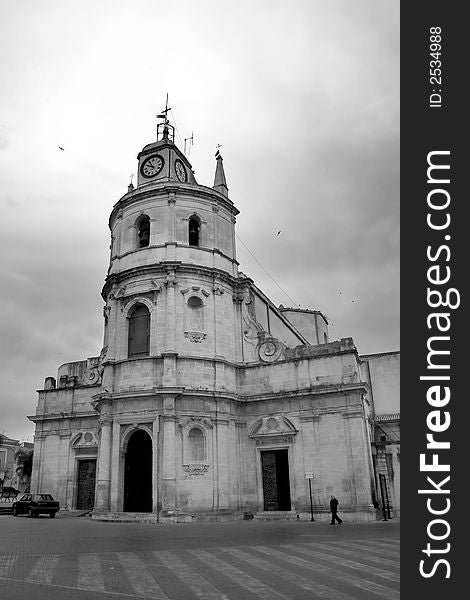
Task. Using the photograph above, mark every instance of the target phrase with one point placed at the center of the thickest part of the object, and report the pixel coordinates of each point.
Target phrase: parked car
(35, 504)
(8, 494)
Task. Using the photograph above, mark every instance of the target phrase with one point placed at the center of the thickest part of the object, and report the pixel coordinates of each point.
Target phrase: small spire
(220, 183)
(130, 187)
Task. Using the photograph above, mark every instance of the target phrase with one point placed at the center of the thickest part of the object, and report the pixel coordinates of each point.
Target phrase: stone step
(276, 515)
(125, 517)
(169, 517)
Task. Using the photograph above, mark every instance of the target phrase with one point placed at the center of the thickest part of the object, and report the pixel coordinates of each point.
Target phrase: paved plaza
(76, 558)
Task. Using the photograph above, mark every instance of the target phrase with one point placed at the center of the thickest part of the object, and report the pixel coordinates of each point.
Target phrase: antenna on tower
(164, 113)
(191, 140)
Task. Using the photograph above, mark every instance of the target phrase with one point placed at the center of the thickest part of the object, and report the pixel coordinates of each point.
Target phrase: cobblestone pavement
(81, 559)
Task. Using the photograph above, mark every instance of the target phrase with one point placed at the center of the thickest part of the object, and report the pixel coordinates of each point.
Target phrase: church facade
(207, 401)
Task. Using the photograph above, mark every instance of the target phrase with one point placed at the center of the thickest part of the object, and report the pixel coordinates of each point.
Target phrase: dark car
(35, 504)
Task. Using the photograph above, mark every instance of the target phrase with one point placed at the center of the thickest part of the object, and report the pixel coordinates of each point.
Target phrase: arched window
(139, 331)
(194, 231)
(196, 313)
(196, 445)
(143, 231)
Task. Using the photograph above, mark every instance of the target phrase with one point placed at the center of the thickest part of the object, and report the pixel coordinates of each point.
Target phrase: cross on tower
(164, 113)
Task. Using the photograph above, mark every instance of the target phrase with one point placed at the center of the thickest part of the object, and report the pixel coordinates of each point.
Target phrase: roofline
(378, 354)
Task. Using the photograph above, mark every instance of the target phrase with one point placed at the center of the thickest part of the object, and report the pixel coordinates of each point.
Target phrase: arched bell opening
(138, 473)
(138, 338)
(142, 226)
(194, 231)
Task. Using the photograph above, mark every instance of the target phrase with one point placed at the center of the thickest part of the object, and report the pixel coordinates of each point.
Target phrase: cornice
(180, 268)
(177, 245)
(61, 416)
(321, 390)
(162, 190)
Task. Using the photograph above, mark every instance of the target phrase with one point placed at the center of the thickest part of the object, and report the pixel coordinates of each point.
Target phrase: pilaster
(168, 493)
(358, 461)
(222, 432)
(115, 459)
(170, 321)
(103, 478)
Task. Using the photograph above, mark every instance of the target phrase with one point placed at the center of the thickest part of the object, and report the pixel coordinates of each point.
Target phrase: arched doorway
(138, 473)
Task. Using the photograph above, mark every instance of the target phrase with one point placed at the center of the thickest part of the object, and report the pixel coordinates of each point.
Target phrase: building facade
(207, 401)
(382, 374)
(15, 462)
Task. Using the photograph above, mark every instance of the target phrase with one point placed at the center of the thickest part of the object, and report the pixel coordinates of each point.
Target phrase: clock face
(180, 171)
(152, 166)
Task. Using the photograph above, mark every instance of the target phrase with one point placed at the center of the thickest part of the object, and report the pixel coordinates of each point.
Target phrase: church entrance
(86, 477)
(275, 474)
(138, 473)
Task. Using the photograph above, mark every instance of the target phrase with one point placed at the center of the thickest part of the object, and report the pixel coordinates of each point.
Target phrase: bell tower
(173, 269)
(162, 161)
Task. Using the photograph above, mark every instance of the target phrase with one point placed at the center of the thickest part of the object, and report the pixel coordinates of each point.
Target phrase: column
(103, 478)
(313, 462)
(170, 283)
(169, 464)
(38, 465)
(116, 251)
(155, 465)
(64, 450)
(222, 462)
(115, 456)
(112, 341)
(171, 217)
(215, 221)
(168, 491)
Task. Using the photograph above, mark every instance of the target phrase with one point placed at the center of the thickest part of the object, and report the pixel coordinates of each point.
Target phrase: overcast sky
(304, 98)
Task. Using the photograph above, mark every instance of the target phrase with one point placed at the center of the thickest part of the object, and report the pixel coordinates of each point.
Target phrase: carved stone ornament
(195, 336)
(273, 428)
(196, 288)
(270, 350)
(196, 468)
(84, 439)
(251, 328)
(92, 376)
(189, 421)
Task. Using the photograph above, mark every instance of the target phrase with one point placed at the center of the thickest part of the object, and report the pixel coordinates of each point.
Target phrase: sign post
(309, 476)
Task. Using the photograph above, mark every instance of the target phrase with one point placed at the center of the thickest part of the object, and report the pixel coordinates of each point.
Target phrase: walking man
(334, 510)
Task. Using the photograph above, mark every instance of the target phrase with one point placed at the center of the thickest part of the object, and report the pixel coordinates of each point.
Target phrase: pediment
(84, 439)
(272, 426)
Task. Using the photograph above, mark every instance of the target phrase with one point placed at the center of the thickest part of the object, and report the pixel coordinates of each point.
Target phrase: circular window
(195, 302)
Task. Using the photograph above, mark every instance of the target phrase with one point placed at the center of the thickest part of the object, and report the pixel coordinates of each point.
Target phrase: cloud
(304, 99)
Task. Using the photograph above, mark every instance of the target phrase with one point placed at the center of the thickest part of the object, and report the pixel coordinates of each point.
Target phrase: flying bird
(278, 232)
(60, 148)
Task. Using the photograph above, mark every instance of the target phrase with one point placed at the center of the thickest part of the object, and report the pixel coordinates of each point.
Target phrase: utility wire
(268, 274)
(176, 128)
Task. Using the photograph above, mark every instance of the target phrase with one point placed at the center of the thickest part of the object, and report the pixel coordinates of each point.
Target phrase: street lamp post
(309, 476)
